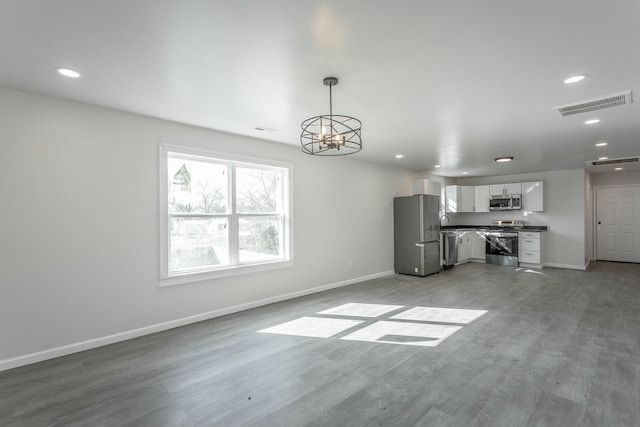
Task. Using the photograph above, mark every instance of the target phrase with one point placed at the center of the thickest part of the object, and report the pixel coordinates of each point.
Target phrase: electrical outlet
(415, 269)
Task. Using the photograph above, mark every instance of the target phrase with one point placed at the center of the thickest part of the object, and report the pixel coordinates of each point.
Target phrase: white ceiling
(455, 83)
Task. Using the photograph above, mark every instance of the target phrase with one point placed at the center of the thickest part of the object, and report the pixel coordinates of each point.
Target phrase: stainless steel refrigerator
(417, 234)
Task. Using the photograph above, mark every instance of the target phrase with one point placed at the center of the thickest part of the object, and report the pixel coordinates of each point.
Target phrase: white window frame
(168, 278)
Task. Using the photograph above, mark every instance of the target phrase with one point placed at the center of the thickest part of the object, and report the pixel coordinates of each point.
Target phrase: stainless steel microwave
(507, 202)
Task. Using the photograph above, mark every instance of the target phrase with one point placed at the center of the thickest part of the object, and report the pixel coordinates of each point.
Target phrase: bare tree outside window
(204, 217)
(258, 191)
(213, 199)
(198, 188)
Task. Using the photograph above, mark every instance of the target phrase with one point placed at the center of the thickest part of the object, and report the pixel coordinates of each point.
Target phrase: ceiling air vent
(609, 162)
(617, 100)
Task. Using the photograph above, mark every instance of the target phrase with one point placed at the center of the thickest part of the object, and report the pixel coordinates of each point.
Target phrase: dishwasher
(450, 249)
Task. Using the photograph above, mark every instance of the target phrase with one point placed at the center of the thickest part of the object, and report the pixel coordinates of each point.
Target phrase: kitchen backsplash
(485, 218)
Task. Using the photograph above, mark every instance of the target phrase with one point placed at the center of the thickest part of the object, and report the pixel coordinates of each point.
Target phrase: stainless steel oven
(502, 248)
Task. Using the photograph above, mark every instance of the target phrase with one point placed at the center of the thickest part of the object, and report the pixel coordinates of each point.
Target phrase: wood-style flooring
(555, 348)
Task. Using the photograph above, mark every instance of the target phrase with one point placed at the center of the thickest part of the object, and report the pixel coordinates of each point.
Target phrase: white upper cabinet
(459, 198)
(504, 189)
(481, 198)
(451, 198)
(533, 196)
(467, 198)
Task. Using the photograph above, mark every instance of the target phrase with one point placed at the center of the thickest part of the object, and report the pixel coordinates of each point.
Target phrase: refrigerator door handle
(420, 245)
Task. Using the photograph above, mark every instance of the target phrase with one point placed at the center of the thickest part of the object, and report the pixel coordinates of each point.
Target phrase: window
(221, 215)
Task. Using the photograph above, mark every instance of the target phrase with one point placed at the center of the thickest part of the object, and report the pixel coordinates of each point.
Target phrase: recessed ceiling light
(68, 72)
(592, 121)
(464, 173)
(503, 159)
(618, 169)
(602, 158)
(575, 79)
(399, 156)
(436, 166)
(601, 144)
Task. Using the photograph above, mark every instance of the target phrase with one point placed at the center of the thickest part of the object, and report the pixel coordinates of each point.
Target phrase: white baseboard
(570, 266)
(134, 333)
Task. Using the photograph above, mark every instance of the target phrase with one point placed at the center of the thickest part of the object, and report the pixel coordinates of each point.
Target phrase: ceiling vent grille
(609, 162)
(617, 100)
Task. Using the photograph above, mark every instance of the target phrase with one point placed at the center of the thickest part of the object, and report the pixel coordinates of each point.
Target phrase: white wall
(617, 178)
(442, 180)
(79, 237)
(564, 214)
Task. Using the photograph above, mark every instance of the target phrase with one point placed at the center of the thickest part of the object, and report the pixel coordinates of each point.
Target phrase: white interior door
(618, 223)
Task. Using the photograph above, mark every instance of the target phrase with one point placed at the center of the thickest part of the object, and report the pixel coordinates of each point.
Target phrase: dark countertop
(493, 227)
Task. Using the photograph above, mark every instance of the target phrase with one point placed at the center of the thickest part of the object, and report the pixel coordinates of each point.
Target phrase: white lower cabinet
(464, 246)
(530, 244)
(471, 246)
(478, 246)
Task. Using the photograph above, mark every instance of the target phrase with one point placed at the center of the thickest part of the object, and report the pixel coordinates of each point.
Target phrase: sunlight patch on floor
(404, 333)
(361, 310)
(315, 327)
(419, 326)
(440, 314)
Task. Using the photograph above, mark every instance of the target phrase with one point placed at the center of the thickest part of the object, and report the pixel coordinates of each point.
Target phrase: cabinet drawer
(531, 257)
(528, 235)
(529, 244)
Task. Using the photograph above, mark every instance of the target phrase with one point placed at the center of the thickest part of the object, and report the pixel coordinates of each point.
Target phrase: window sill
(223, 272)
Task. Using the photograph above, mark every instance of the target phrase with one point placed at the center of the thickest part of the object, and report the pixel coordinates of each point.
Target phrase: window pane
(260, 238)
(258, 190)
(198, 242)
(197, 187)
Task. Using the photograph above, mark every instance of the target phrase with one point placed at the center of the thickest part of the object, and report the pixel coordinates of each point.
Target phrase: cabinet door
(515, 188)
(481, 196)
(496, 189)
(464, 247)
(529, 244)
(529, 257)
(451, 194)
(478, 247)
(504, 189)
(533, 196)
(466, 198)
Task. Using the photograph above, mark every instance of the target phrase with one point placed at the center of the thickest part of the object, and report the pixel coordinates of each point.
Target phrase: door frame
(594, 215)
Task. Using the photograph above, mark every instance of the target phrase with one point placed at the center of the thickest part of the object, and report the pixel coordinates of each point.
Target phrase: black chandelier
(331, 135)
